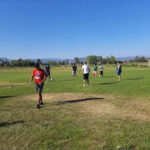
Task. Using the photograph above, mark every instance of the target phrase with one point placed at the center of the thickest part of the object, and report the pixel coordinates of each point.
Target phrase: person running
(119, 70)
(85, 71)
(95, 70)
(47, 70)
(74, 71)
(101, 70)
(40, 76)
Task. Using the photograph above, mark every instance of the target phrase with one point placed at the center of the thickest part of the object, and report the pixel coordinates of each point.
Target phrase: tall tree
(76, 60)
(39, 61)
(91, 59)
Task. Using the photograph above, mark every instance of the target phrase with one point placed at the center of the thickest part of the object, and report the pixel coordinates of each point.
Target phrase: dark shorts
(48, 73)
(74, 73)
(86, 76)
(101, 72)
(39, 88)
(119, 73)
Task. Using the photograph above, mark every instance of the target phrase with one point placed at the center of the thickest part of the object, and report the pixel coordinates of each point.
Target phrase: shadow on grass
(106, 83)
(139, 78)
(108, 76)
(78, 100)
(3, 124)
(2, 97)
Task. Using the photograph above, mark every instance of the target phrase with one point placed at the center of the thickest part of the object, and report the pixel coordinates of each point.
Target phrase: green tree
(112, 59)
(99, 59)
(39, 61)
(76, 60)
(1, 62)
(91, 59)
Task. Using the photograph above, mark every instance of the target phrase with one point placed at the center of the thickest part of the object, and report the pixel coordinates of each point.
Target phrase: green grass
(106, 115)
(135, 82)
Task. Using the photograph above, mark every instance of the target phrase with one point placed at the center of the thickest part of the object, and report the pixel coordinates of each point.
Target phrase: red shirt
(39, 75)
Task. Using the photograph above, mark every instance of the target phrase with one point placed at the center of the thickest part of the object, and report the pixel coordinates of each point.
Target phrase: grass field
(107, 115)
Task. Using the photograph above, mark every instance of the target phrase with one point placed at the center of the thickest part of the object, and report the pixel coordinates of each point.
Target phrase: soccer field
(107, 114)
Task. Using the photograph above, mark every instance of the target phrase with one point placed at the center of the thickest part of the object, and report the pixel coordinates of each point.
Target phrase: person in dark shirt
(119, 70)
(74, 71)
(48, 73)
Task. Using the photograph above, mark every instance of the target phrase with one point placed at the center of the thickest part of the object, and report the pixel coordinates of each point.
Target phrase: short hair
(95, 64)
(37, 65)
(85, 62)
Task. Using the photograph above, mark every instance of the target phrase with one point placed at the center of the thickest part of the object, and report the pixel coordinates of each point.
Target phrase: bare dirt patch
(100, 105)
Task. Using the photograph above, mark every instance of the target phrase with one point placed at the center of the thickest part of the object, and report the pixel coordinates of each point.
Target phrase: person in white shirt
(85, 71)
(101, 70)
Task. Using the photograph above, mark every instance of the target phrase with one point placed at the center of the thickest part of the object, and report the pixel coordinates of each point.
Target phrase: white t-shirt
(86, 69)
(101, 68)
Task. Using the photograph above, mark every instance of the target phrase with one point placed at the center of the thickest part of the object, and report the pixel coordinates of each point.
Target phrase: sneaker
(41, 103)
(38, 106)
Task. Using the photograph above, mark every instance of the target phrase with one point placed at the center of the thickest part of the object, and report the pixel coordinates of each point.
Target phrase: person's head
(85, 62)
(118, 62)
(37, 66)
(100, 64)
(95, 64)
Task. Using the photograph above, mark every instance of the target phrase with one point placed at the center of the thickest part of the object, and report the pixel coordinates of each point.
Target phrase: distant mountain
(82, 59)
(45, 60)
(5, 59)
(125, 58)
(129, 58)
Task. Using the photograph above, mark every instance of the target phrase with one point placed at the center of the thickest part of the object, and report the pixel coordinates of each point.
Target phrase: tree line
(138, 59)
(92, 59)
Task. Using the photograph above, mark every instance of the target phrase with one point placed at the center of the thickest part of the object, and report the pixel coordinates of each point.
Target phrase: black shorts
(86, 76)
(48, 74)
(101, 73)
(39, 88)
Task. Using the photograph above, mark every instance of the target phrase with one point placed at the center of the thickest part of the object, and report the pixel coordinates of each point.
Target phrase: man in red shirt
(40, 76)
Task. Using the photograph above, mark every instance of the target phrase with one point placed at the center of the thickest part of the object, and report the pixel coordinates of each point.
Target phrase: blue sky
(69, 28)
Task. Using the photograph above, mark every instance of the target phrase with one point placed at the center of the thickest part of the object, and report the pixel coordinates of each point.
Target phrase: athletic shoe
(38, 106)
(41, 103)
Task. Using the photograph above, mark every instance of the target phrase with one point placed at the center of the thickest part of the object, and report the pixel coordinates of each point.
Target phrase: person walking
(40, 76)
(85, 71)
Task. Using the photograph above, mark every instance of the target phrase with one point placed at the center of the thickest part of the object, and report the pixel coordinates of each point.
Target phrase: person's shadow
(2, 124)
(108, 76)
(138, 78)
(78, 100)
(107, 83)
(3, 97)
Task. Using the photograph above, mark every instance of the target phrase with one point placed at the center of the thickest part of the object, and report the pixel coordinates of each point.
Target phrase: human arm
(82, 70)
(31, 79)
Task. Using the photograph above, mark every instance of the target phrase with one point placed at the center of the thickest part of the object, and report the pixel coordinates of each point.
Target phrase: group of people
(41, 75)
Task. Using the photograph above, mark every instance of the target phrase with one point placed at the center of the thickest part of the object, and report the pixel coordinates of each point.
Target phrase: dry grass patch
(12, 84)
(99, 105)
